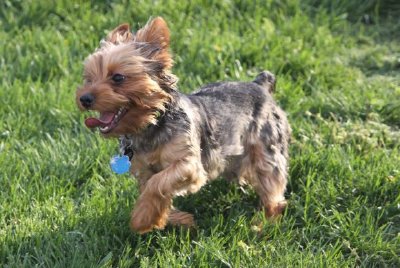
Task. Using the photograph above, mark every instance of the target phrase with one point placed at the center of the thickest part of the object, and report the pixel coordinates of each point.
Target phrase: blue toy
(120, 164)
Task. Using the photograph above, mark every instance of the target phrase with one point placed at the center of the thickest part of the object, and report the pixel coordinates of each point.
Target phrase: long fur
(180, 142)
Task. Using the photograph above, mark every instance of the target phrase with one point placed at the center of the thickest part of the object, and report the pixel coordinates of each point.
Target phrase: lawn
(338, 70)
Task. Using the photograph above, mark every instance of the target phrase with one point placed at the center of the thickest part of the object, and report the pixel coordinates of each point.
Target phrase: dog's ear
(156, 34)
(121, 34)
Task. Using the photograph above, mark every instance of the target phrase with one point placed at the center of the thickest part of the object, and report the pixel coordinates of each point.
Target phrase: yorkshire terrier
(177, 142)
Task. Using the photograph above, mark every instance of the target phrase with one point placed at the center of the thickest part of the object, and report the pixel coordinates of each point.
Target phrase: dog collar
(126, 146)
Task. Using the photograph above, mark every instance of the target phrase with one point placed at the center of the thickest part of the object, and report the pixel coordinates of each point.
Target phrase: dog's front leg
(154, 203)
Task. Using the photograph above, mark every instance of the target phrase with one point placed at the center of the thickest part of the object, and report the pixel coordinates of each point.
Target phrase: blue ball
(120, 164)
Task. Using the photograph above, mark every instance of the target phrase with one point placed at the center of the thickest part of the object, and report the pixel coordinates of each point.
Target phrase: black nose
(87, 100)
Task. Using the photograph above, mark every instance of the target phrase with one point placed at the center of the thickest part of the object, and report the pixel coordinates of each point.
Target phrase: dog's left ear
(121, 34)
(156, 34)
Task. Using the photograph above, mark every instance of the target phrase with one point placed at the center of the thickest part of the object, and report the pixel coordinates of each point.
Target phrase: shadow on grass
(105, 239)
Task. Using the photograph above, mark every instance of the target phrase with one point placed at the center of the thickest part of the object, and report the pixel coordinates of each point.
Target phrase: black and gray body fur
(241, 132)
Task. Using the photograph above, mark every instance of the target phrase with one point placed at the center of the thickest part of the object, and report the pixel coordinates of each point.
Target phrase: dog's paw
(181, 218)
(140, 226)
(275, 210)
(149, 214)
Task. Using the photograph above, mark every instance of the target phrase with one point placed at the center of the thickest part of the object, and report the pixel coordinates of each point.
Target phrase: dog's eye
(87, 80)
(118, 78)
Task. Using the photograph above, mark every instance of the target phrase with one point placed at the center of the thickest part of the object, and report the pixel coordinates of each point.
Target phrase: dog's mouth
(107, 121)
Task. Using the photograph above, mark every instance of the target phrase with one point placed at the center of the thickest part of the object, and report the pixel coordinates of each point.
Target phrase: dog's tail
(267, 80)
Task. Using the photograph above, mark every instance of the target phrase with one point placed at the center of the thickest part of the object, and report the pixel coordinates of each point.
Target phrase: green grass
(338, 70)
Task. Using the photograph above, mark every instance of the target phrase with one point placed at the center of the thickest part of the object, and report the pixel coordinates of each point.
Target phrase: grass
(338, 79)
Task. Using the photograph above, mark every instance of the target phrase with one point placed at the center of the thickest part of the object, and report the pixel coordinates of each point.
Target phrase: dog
(177, 142)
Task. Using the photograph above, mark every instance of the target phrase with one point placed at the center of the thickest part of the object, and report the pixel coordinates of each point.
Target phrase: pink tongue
(104, 120)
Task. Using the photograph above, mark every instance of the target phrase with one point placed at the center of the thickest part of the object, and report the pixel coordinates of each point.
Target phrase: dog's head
(127, 79)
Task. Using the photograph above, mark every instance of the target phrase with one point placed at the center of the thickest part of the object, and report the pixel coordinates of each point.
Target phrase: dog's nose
(87, 100)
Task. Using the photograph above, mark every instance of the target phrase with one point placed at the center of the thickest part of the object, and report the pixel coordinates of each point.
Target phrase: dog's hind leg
(264, 166)
(270, 183)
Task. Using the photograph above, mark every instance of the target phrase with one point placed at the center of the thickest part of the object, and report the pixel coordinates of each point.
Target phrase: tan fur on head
(135, 58)
(121, 34)
(156, 33)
